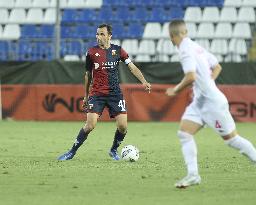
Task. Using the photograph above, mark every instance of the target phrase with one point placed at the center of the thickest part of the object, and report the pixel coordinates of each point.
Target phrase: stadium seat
(228, 14)
(233, 3)
(131, 46)
(71, 58)
(69, 15)
(68, 32)
(7, 4)
(143, 58)
(50, 16)
(46, 31)
(116, 41)
(175, 58)
(141, 14)
(192, 30)
(29, 31)
(219, 46)
(1, 31)
(23, 3)
(210, 14)
(193, 14)
(11, 32)
(204, 43)
(242, 30)
(219, 57)
(165, 30)
(205, 30)
(119, 31)
(35, 16)
(223, 30)
(105, 15)
(176, 13)
(76, 4)
(17, 16)
(93, 3)
(4, 16)
(233, 58)
(71, 48)
(147, 47)
(246, 14)
(135, 30)
(63, 3)
(237, 46)
(165, 47)
(250, 3)
(152, 31)
(3, 50)
(41, 4)
(162, 58)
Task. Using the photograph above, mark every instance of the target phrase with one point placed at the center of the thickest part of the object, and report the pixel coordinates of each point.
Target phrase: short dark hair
(175, 24)
(109, 27)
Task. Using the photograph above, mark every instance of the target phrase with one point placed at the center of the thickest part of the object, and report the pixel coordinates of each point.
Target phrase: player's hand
(85, 103)
(170, 92)
(147, 86)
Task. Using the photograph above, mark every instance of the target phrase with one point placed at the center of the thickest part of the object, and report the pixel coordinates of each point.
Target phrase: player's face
(103, 37)
(173, 38)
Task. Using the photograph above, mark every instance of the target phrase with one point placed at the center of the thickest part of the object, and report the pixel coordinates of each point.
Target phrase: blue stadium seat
(29, 31)
(85, 31)
(44, 50)
(141, 14)
(71, 48)
(135, 30)
(47, 31)
(70, 15)
(105, 14)
(119, 31)
(87, 15)
(176, 13)
(114, 2)
(68, 32)
(123, 14)
(4, 50)
(160, 14)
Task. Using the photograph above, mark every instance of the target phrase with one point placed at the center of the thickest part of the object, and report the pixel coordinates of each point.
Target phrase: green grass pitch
(31, 175)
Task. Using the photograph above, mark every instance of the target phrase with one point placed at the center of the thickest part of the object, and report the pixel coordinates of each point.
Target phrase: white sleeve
(212, 60)
(188, 62)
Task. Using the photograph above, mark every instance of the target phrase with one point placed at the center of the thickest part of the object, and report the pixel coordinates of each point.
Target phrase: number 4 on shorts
(217, 124)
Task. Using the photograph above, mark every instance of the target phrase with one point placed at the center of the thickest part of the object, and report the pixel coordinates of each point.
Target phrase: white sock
(189, 150)
(243, 145)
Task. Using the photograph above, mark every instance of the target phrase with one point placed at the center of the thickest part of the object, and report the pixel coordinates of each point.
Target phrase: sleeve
(124, 56)
(212, 60)
(188, 62)
(88, 62)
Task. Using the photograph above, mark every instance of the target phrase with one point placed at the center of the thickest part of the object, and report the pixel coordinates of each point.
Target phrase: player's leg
(82, 136)
(189, 150)
(190, 124)
(117, 109)
(223, 123)
(96, 106)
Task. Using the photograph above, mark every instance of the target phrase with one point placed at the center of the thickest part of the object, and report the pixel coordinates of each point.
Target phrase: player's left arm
(137, 73)
(216, 71)
(134, 69)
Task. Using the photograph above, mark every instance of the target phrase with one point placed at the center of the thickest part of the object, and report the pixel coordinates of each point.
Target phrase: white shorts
(215, 116)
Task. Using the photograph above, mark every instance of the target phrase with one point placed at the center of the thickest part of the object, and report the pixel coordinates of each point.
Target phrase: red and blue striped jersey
(103, 65)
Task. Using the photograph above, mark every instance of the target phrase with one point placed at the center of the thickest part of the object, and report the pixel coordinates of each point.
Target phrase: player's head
(177, 31)
(103, 35)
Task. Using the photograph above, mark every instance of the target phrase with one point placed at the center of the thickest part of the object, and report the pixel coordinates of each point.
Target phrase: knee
(122, 128)
(184, 136)
(89, 127)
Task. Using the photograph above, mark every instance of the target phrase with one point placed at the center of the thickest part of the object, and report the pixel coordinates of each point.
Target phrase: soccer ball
(130, 153)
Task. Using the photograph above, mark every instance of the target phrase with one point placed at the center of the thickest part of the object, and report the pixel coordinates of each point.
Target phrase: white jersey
(195, 58)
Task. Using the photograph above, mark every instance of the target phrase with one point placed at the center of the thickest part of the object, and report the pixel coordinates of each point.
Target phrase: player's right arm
(189, 68)
(214, 64)
(87, 78)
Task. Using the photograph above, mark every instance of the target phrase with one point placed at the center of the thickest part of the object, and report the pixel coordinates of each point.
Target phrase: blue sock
(81, 137)
(119, 137)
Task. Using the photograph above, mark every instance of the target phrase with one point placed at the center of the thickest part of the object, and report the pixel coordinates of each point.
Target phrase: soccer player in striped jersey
(102, 89)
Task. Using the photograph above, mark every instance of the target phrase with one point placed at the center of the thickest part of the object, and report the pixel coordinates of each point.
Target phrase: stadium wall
(64, 102)
(61, 72)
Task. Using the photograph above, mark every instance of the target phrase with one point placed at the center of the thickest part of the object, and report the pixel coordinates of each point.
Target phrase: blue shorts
(115, 104)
